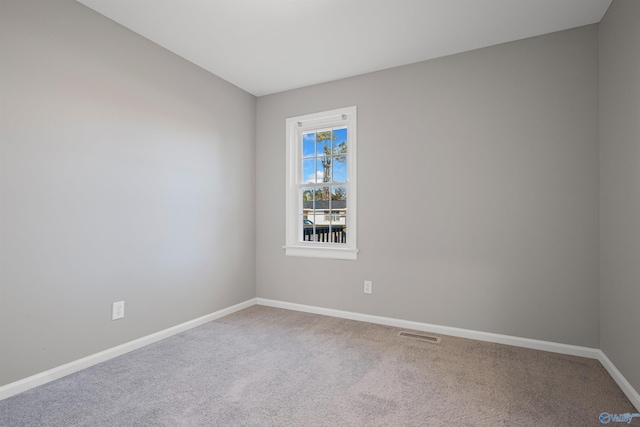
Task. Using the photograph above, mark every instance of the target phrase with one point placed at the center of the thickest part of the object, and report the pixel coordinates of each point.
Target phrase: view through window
(324, 206)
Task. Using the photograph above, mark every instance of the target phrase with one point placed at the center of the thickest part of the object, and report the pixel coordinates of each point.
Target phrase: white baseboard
(77, 365)
(622, 382)
(573, 350)
(25, 384)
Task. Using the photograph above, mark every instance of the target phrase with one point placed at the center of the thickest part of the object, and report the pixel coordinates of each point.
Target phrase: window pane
(323, 143)
(339, 193)
(308, 170)
(307, 218)
(339, 229)
(338, 214)
(339, 169)
(340, 141)
(307, 196)
(309, 144)
(307, 228)
(322, 198)
(323, 165)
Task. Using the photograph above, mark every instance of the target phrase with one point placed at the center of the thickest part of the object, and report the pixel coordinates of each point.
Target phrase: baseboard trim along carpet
(573, 350)
(25, 384)
(86, 362)
(622, 382)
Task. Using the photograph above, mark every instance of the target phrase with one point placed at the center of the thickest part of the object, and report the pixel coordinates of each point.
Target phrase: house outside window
(321, 185)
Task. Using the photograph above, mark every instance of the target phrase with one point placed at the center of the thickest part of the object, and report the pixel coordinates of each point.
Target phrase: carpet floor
(264, 366)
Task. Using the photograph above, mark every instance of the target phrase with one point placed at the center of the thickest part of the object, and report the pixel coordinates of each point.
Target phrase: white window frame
(296, 126)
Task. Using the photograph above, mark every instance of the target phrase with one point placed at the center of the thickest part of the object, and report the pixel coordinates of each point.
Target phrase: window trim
(295, 127)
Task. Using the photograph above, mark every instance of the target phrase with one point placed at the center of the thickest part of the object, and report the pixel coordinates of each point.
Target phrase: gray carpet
(270, 367)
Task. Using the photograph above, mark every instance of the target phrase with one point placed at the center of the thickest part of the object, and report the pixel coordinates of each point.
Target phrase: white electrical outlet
(368, 287)
(117, 310)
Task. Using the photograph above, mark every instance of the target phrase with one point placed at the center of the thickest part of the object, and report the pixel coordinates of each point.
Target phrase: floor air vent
(427, 338)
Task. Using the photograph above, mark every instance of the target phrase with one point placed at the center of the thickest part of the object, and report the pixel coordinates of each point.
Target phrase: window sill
(322, 252)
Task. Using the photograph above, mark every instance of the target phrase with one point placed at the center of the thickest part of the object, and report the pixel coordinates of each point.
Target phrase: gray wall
(477, 192)
(127, 174)
(620, 187)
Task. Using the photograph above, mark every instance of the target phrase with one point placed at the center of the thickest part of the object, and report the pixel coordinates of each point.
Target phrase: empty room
(319, 212)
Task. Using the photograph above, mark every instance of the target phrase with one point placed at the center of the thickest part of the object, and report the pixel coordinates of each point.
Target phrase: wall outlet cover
(368, 287)
(117, 310)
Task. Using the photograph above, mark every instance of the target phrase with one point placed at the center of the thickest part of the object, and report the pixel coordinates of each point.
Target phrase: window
(321, 185)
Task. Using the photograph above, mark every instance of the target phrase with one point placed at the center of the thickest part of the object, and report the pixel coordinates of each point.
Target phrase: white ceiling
(268, 46)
